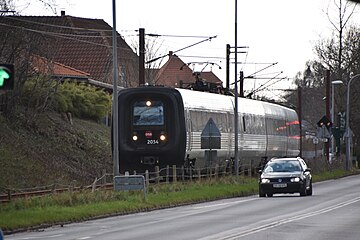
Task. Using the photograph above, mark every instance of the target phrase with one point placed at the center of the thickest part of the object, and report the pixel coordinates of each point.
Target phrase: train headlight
(148, 103)
(135, 137)
(162, 137)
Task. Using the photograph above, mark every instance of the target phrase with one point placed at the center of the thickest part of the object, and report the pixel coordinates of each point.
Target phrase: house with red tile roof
(80, 44)
(41, 65)
(176, 73)
(81, 48)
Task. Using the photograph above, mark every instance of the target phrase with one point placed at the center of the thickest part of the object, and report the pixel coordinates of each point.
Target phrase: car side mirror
(308, 170)
(260, 171)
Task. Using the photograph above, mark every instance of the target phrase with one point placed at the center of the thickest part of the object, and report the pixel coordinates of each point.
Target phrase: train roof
(217, 102)
(205, 100)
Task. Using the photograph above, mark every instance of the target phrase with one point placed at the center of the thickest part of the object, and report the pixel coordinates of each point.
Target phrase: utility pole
(228, 66)
(241, 84)
(236, 102)
(115, 97)
(300, 116)
(141, 56)
(327, 144)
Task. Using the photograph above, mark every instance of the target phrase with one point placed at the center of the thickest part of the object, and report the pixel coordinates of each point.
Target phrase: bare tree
(345, 10)
(6, 6)
(341, 54)
(9, 6)
(18, 48)
(152, 50)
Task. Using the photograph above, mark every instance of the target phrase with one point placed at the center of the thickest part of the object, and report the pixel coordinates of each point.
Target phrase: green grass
(74, 207)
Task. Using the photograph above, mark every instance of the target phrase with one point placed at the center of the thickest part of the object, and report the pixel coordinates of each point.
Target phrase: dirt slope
(51, 150)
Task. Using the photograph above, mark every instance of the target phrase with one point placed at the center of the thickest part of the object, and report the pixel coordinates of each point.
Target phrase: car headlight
(295, 179)
(265, 180)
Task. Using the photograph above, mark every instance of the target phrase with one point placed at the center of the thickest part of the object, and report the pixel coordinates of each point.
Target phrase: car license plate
(280, 185)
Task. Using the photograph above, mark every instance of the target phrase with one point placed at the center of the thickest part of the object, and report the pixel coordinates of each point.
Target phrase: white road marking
(225, 203)
(239, 233)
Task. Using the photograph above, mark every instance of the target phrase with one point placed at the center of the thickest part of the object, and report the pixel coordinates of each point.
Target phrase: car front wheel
(303, 191)
(261, 192)
(309, 191)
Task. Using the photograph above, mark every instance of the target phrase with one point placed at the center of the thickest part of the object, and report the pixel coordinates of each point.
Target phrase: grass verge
(64, 208)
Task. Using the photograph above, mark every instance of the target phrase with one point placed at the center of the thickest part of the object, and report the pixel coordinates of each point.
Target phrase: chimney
(62, 13)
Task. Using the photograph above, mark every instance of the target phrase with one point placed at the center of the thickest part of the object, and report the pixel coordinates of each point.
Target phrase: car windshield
(283, 166)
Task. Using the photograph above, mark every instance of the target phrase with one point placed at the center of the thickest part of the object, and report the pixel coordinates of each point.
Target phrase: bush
(82, 100)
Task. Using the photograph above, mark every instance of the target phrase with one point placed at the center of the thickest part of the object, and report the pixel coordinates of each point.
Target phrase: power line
(208, 39)
(263, 86)
(185, 56)
(59, 35)
(57, 26)
(252, 75)
(174, 36)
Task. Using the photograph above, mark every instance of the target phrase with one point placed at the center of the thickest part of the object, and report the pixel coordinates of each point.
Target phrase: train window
(200, 118)
(253, 124)
(276, 127)
(293, 127)
(148, 113)
(244, 123)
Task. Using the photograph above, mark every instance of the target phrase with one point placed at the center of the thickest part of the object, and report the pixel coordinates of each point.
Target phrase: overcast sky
(282, 31)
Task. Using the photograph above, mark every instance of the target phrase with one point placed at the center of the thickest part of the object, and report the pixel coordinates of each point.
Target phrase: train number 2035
(152, 142)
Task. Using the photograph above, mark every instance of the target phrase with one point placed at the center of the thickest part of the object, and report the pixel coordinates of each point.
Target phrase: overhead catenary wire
(264, 84)
(263, 87)
(209, 57)
(208, 39)
(252, 75)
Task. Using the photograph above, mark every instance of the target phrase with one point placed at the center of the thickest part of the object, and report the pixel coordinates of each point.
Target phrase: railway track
(11, 194)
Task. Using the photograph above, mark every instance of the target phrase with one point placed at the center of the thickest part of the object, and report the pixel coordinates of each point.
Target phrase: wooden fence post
(182, 173)
(53, 188)
(9, 194)
(174, 173)
(167, 173)
(157, 174)
(93, 188)
(190, 172)
(147, 180)
(250, 169)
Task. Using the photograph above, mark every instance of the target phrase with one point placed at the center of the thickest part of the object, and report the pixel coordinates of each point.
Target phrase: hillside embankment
(52, 150)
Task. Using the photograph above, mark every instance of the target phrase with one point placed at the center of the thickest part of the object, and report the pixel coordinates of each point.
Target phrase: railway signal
(6, 76)
(324, 121)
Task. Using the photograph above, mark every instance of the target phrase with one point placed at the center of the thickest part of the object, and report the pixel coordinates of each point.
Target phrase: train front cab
(151, 129)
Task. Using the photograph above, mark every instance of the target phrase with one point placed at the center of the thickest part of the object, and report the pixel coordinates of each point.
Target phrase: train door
(229, 125)
(188, 130)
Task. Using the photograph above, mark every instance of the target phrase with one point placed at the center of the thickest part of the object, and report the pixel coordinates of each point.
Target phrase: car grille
(280, 180)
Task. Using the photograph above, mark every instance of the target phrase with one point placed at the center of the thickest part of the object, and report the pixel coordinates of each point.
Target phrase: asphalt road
(332, 213)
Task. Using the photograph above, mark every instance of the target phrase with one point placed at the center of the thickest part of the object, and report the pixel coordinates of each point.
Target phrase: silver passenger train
(161, 126)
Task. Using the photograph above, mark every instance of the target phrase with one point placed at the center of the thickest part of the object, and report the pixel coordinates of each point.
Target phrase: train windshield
(148, 113)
